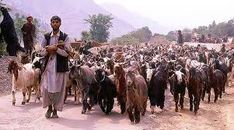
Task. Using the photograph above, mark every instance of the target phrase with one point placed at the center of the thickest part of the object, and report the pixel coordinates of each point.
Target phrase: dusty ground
(5, 83)
(211, 116)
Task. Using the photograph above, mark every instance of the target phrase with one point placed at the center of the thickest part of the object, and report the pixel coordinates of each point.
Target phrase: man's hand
(51, 49)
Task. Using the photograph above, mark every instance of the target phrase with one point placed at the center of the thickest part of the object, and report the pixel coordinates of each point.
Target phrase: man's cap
(29, 17)
(55, 18)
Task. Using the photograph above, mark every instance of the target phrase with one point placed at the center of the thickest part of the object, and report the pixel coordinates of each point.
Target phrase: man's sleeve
(43, 51)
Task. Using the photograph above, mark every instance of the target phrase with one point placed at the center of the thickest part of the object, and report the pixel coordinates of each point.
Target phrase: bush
(2, 49)
(139, 36)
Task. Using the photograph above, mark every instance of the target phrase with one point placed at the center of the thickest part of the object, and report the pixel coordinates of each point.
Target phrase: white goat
(25, 78)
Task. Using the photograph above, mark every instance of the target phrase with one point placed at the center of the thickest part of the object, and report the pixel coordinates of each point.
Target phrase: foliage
(142, 34)
(171, 36)
(187, 34)
(2, 48)
(125, 40)
(217, 30)
(139, 36)
(99, 27)
(20, 20)
(85, 36)
(220, 30)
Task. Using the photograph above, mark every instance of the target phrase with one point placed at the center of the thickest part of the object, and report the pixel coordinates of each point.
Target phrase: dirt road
(211, 116)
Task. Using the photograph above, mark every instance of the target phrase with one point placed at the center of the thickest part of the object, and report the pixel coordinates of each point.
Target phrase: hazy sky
(180, 13)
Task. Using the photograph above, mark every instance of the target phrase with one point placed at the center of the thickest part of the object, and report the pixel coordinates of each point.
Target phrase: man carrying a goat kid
(56, 66)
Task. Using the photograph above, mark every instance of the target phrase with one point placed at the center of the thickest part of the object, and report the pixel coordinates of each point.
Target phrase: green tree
(171, 36)
(125, 40)
(2, 44)
(187, 34)
(85, 35)
(135, 37)
(19, 22)
(222, 29)
(143, 34)
(99, 27)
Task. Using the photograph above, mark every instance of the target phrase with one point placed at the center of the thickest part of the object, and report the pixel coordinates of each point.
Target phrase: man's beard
(55, 29)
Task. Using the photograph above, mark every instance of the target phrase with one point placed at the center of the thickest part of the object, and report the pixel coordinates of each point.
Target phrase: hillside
(72, 12)
(134, 19)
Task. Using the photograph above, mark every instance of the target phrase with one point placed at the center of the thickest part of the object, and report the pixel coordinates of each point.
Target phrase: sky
(180, 13)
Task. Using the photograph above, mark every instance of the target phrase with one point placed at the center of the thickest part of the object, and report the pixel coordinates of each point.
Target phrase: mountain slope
(72, 12)
(134, 19)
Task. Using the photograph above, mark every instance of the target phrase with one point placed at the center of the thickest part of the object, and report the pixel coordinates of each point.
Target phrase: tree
(125, 40)
(85, 35)
(135, 37)
(171, 36)
(143, 34)
(99, 27)
(187, 34)
(19, 22)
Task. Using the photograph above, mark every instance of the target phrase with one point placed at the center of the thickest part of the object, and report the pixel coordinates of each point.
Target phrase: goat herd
(133, 74)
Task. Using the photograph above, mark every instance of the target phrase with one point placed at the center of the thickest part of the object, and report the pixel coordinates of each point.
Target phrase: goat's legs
(191, 102)
(176, 96)
(29, 93)
(24, 98)
(216, 92)
(144, 107)
(152, 109)
(182, 99)
(130, 115)
(24, 91)
(85, 103)
(137, 115)
(13, 98)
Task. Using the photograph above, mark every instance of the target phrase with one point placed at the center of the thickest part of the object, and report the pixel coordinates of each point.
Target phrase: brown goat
(137, 94)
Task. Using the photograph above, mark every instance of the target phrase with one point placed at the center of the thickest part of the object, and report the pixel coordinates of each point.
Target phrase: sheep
(25, 78)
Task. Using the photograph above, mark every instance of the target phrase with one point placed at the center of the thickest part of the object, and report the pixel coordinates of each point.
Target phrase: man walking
(55, 74)
(28, 31)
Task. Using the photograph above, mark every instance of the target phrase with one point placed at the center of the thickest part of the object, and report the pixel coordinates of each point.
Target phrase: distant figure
(223, 49)
(8, 33)
(180, 39)
(202, 39)
(28, 31)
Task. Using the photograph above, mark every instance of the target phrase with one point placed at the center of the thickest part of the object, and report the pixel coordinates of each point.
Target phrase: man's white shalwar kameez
(53, 83)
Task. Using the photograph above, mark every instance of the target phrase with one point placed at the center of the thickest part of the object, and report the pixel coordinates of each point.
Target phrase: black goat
(8, 33)
(107, 91)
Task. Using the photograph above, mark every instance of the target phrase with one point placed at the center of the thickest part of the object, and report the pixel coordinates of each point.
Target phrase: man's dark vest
(62, 62)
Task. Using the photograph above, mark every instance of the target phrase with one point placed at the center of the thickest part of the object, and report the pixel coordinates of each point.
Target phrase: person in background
(180, 39)
(28, 31)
